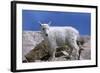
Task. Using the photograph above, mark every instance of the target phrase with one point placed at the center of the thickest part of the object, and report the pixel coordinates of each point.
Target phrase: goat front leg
(52, 55)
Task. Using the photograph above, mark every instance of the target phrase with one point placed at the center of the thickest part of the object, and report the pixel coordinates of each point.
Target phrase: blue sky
(80, 21)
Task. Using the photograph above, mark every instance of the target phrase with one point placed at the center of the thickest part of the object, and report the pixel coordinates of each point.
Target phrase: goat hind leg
(75, 51)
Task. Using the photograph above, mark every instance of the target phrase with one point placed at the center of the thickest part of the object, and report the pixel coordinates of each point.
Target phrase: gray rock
(35, 49)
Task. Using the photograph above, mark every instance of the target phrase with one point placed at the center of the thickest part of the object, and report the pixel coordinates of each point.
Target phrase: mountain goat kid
(57, 36)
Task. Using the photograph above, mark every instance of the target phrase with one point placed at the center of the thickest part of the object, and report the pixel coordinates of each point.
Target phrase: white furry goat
(59, 36)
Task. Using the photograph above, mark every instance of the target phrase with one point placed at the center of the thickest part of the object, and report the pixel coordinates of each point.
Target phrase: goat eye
(43, 28)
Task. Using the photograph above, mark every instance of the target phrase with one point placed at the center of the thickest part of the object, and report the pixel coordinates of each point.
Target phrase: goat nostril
(46, 34)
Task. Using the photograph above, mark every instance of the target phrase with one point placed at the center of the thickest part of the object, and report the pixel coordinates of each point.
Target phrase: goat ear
(49, 23)
(40, 23)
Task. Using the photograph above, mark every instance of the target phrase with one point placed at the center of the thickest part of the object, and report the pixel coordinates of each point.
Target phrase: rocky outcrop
(38, 53)
(29, 40)
(35, 49)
